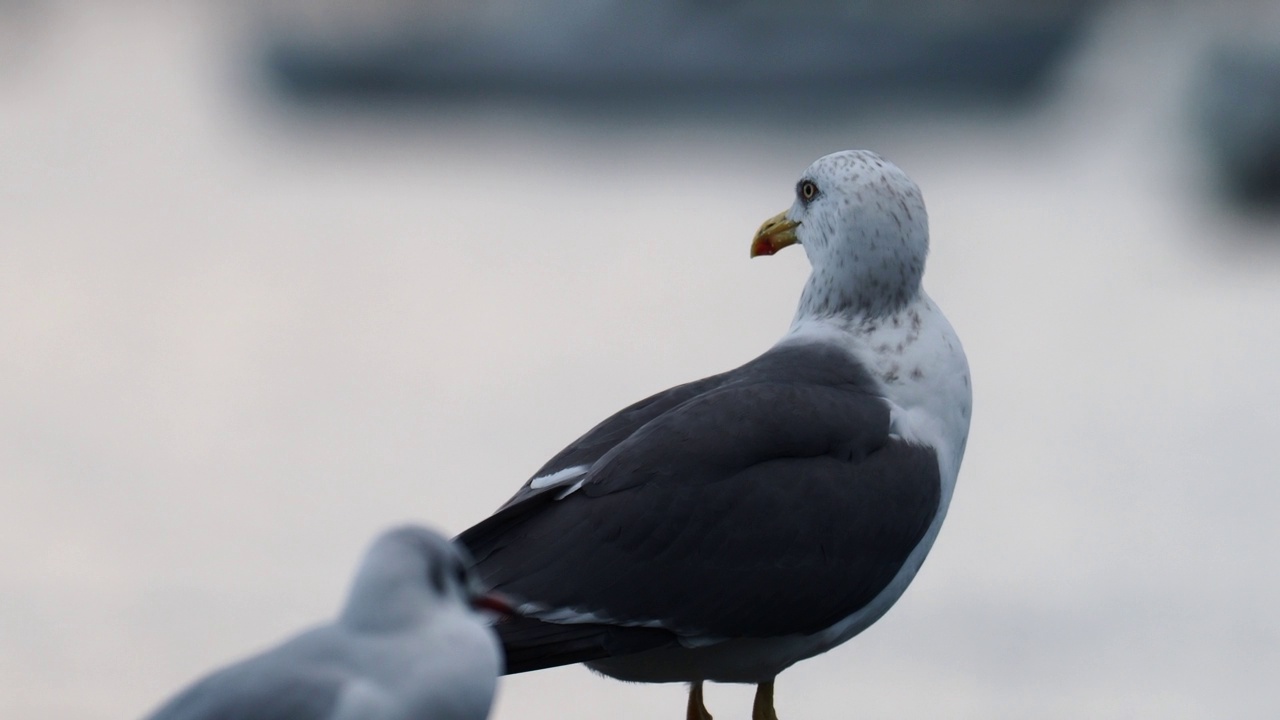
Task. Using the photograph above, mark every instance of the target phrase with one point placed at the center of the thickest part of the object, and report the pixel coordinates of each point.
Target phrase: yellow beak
(776, 233)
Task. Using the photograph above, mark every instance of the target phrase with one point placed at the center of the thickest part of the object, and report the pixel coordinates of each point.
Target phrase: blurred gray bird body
(407, 646)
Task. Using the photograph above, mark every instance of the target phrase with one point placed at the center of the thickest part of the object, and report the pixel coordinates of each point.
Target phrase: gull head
(410, 574)
(863, 226)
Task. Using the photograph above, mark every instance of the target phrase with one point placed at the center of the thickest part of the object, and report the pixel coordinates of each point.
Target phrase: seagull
(725, 529)
(410, 644)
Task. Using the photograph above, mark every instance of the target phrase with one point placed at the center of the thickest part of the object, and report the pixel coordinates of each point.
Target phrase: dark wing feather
(774, 502)
(531, 644)
(602, 438)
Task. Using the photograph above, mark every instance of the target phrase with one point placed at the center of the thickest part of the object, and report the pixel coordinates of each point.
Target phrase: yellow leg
(762, 709)
(697, 711)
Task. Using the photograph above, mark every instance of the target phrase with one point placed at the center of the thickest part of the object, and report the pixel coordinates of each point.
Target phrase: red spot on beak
(762, 246)
(776, 233)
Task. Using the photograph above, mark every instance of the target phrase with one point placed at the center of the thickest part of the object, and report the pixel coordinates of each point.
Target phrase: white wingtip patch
(560, 477)
(571, 489)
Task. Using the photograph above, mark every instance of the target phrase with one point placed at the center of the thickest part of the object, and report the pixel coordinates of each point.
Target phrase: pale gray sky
(241, 338)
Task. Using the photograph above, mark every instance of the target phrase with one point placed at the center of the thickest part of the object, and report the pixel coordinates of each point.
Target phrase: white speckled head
(863, 225)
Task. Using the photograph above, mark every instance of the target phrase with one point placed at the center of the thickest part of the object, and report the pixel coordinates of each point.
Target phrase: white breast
(919, 363)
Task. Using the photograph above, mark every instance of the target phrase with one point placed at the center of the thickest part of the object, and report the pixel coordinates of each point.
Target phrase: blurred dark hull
(694, 50)
(1238, 104)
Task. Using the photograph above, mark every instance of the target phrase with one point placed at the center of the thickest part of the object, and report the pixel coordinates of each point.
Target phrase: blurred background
(276, 276)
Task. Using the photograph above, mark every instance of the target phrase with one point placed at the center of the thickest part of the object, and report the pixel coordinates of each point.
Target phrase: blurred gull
(409, 644)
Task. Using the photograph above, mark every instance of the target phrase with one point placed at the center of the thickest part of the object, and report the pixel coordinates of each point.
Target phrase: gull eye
(807, 190)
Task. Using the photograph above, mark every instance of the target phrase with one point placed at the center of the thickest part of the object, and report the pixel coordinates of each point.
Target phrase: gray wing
(256, 690)
(774, 503)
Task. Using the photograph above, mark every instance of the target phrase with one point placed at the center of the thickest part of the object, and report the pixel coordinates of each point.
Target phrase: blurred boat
(1238, 106)
(604, 50)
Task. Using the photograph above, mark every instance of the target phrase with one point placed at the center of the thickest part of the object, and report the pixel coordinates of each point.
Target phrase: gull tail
(530, 644)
